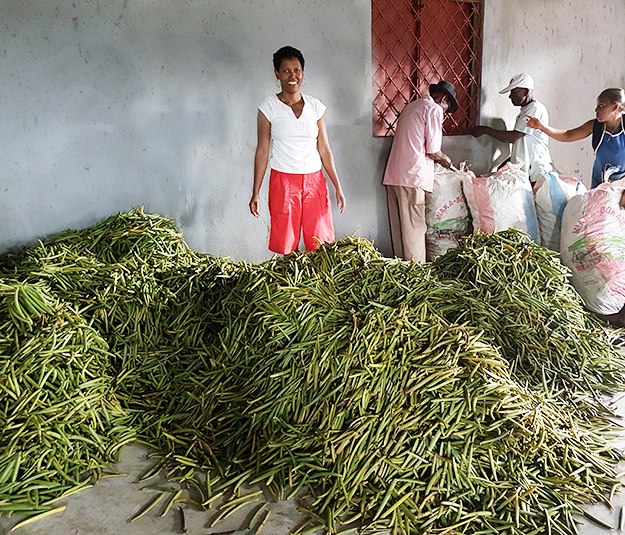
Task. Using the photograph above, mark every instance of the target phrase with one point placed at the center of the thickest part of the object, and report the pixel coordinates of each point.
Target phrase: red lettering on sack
(604, 210)
(441, 211)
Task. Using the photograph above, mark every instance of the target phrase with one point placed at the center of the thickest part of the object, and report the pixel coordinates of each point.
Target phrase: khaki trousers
(406, 212)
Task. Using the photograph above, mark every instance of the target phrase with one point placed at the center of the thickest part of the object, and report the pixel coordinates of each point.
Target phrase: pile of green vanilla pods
(466, 395)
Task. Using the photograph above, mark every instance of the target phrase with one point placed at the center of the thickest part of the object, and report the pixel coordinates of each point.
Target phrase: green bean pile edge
(464, 395)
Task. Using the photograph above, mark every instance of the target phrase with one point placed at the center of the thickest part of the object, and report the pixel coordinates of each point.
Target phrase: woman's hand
(532, 122)
(340, 199)
(327, 160)
(261, 157)
(254, 205)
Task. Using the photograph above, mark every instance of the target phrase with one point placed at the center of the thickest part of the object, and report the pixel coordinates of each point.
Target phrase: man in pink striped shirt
(409, 171)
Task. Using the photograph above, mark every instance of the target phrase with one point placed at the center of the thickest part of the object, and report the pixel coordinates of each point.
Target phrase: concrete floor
(106, 508)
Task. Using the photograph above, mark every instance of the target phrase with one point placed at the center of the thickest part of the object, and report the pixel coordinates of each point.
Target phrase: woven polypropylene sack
(592, 246)
(551, 194)
(501, 201)
(446, 212)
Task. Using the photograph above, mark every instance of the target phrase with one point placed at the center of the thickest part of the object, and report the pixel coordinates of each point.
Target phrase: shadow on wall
(493, 153)
(383, 242)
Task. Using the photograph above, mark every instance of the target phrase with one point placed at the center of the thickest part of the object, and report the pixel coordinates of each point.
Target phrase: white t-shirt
(532, 148)
(294, 139)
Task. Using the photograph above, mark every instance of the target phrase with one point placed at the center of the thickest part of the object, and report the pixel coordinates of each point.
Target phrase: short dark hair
(287, 52)
(616, 95)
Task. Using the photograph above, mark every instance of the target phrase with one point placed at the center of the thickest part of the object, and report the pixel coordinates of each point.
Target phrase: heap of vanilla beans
(462, 395)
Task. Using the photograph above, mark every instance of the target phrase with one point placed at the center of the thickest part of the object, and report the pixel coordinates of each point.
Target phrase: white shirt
(294, 139)
(533, 147)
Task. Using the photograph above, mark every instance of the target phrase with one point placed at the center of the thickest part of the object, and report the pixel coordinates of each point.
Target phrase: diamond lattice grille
(419, 42)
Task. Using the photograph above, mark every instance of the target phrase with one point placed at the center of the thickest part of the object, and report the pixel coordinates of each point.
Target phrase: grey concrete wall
(109, 104)
(573, 48)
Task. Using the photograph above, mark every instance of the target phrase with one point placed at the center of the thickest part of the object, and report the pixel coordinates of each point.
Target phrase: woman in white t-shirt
(293, 140)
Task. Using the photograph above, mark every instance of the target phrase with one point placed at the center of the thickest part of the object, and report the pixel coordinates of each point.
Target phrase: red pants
(298, 203)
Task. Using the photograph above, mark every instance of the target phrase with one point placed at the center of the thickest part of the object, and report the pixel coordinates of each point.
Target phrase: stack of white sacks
(462, 203)
(586, 226)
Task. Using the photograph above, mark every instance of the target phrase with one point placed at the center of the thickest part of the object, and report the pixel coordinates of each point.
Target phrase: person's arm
(327, 159)
(505, 136)
(441, 158)
(434, 137)
(575, 134)
(261, 157)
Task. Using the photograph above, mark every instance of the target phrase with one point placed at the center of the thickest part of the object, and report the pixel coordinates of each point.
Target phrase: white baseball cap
(523, 80)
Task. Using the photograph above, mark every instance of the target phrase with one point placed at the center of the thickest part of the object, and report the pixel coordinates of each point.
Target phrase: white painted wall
(573, 48)
(109, 104)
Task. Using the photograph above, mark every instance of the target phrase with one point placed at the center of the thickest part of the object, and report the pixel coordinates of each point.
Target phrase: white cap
(520, 80)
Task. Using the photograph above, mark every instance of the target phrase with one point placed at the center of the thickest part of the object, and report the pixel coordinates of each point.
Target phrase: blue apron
(609, 158)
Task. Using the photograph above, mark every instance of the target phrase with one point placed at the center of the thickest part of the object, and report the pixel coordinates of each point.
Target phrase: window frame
(405, 59)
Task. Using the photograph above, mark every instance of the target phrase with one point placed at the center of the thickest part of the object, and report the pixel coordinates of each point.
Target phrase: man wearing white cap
(528, 144)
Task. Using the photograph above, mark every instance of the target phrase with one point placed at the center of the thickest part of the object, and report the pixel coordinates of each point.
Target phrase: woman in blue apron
(608, 135)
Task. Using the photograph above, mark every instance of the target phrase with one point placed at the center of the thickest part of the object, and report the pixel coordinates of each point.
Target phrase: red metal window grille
(419, 42)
